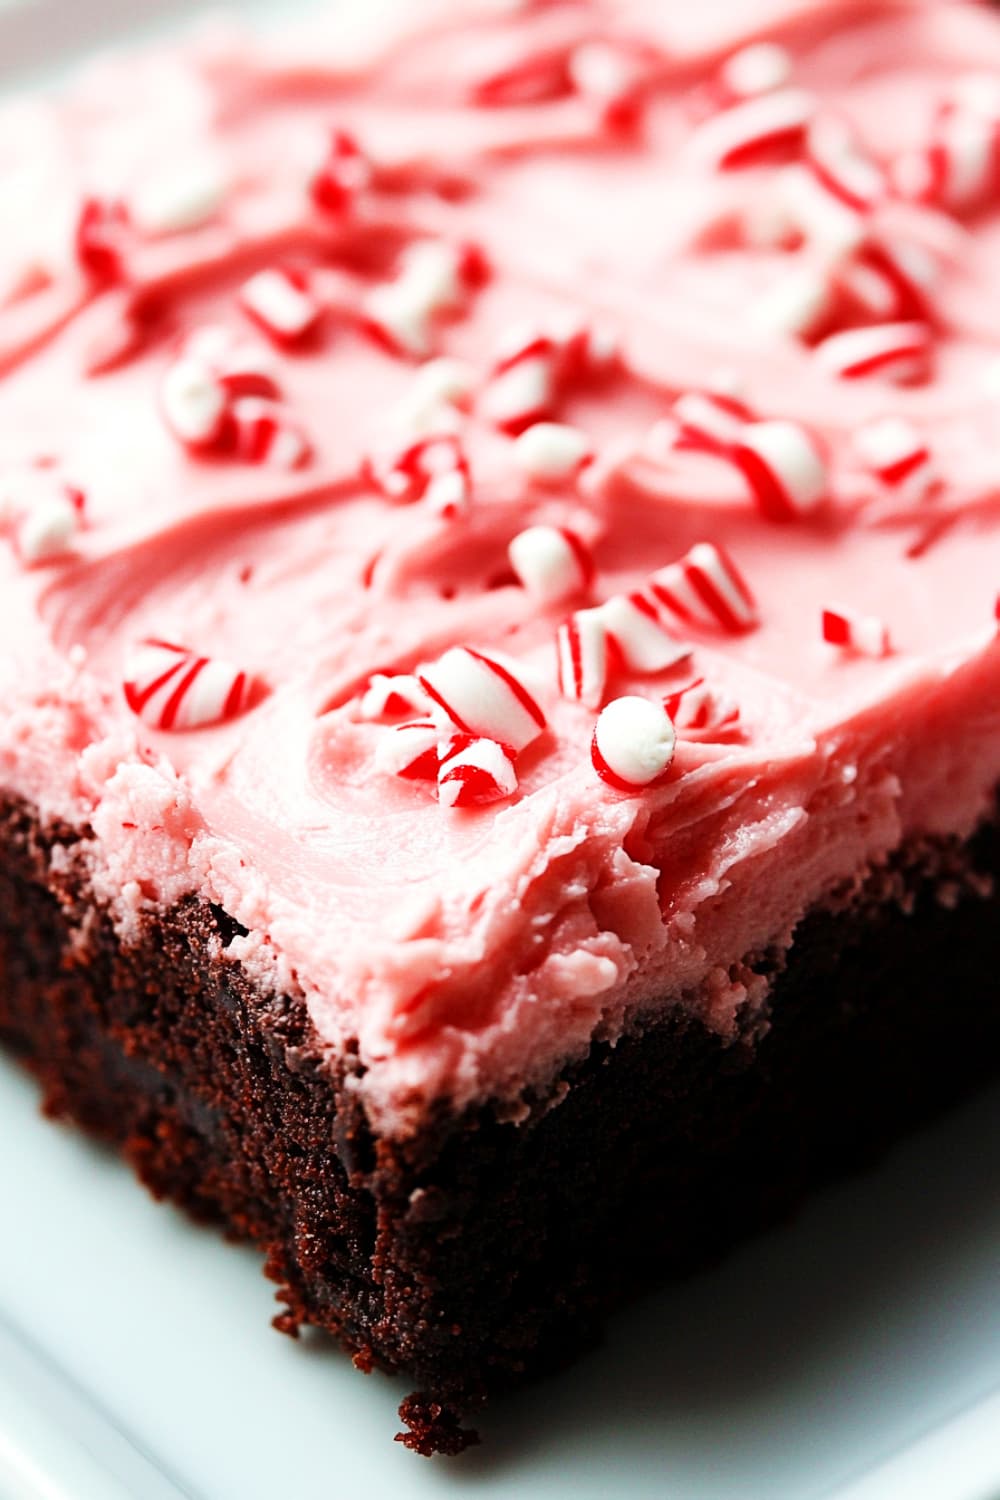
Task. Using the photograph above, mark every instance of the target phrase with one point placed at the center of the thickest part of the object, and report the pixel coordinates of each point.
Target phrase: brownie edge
(486, 1249)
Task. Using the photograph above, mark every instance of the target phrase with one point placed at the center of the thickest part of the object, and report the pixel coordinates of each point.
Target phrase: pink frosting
(470, 951)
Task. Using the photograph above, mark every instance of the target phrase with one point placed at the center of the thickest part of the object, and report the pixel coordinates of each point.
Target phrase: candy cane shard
(434, 468)
(242, 366)
(522, 389)
(840, 163)
(866, 635)
(441, 390)
(435, 278)
(705, 589)
(900, 352)
(551, 563)
(958, 166)
(700, 709)
(391, 694)
(343, 173)
(582, 657)
(99, 238)
(709, 421)
(889, 280)
(784, 467)
(410, 751)
(483, 697)
(552, 452)
(194, 403)
(46, 515)
(765, 128)
(281, 303)
(634, 624)
(898, 456)
(265, 433)
(171, 687)
(633, 743)
(475, 772)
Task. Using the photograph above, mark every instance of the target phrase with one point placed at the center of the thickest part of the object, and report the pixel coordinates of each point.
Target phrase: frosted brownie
(500, 682)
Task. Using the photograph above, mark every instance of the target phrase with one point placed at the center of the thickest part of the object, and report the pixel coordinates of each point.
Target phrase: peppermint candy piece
(194, 403)
(99, 238)
(705, 589)
(483, 697)
(644, 644)
(900, 352)
(434, 468)
(797, 306)
(171, 687)
(475, 772)
(552, 452)
(898, 456)
(242, 366)
(435, 278)
(523, 385)
(551, 562)
(761, 68)
(410, 750)
(47, 517)
(958, 166)
(709, 421)
(343, 173)
(582, 657)
(889, 281)
(698, 709)
(866, 635)
(842, 166)
(784, 468)
(390, 694)
(758, 131)
(182, 198)
(265, 433)
(440, 391)
(281, 303)
(633, 744)
(611, 78)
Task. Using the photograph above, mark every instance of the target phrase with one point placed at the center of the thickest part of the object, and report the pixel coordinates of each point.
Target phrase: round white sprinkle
(633, 743)
(551, 451)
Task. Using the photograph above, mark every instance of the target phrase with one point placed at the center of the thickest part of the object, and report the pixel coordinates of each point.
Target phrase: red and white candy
(434, 469)
(390, 694)
(194, 403)
(840, 163)
(760, 68)
(475, 772)
(523, 385)
(611, 78)
(699, 709)
(959, 166)
(900, 352)
(888, 280)
(582, 657)
(99, 238)
(756, 131)
(866, 635)
(551, 563)
(705, 589)
(552, 452)
(633, 744)
(45, 514)
(644, 644)
(898, 456)
(343, 173)
(173, 688)
(410, 750)
(243, 366)
(709, 421)
(435, 278)
(483, 697)
(265, 433)
(784, 467)
(279, 300)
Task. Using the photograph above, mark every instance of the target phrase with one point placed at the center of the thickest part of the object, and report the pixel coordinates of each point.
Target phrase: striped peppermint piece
(582, 657)
(242, 366)
(47, 528)
(483, 697)
(390, 694)
(797, 305)
(434, 468)
(840, 163)
(281, 303)
(551, 563)
(265, 433)
(185, 197)
(633, 744)
(435, 278)
(701, 710)
(173, 688)
(705, 589)
(643, 642)
(552, 452)
(899, 456)
(409, 750)
(100, 237)
(758, 131)
(889, 280)
(784, 468)
(475, 772)
(343, 173)
(194, 403)
(522, 389)
(958, 168)
(709, 421)
(899, 352)
(441, 390)
(865, 635)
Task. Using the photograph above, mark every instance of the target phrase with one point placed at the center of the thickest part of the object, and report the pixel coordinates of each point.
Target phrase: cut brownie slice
(500, 693)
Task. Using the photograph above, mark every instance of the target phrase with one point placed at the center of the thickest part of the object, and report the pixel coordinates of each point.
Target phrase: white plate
(854, 1353)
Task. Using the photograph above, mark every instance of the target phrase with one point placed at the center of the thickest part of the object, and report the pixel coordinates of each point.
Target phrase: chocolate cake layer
(491, 1247)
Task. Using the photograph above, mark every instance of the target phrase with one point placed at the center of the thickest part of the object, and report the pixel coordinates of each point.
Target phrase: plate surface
(854, 1353)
